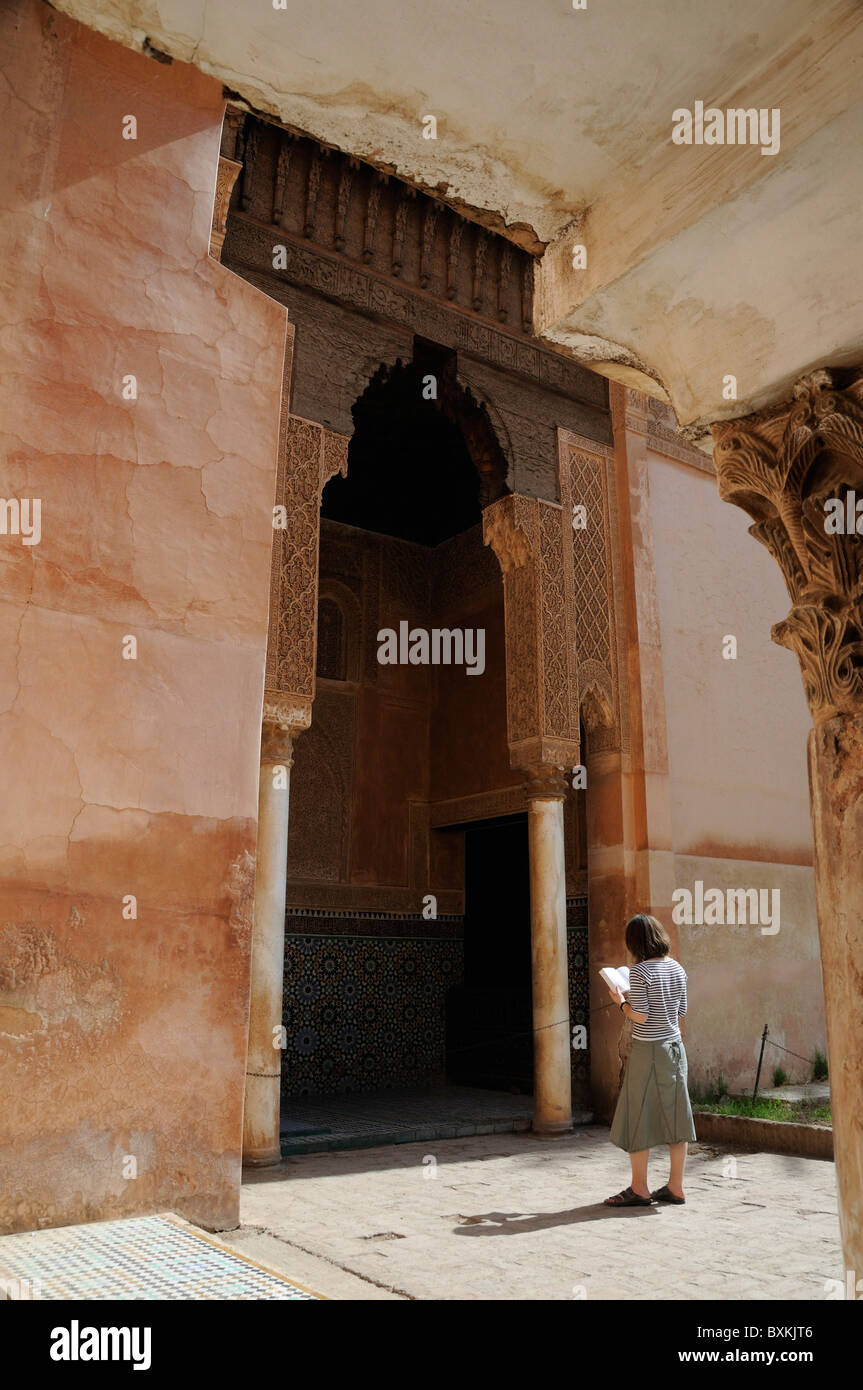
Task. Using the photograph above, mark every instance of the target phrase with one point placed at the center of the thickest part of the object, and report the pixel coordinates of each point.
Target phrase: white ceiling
(548, 114)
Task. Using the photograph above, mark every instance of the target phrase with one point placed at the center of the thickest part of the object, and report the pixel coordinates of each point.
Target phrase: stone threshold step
(413, 1134)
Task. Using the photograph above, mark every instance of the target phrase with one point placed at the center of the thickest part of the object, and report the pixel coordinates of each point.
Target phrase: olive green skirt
(653, 1106)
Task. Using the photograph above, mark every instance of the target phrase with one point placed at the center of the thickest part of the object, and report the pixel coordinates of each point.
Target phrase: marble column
(552, 1090)
(263, 1067)
(798, 470)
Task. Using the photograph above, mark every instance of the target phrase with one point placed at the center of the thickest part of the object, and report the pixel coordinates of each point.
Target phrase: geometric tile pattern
(579, 1009)
(364, 1012)
(150, 1257)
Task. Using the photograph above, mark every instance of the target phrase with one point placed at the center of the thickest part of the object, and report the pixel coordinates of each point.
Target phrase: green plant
(770, 1108)
(708, 1093)
(819, 1066)
(780, 1076)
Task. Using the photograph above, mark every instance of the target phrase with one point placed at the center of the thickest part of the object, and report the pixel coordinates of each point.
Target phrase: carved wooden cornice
(781, 466)
(249, 249)
(532, 541)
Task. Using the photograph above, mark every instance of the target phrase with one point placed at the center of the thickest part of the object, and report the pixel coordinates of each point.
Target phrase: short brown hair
(646, 938)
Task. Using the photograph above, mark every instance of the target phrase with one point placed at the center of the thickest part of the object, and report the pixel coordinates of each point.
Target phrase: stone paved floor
(510, 1216)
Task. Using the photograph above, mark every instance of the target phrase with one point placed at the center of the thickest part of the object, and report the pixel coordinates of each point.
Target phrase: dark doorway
(489, 1016)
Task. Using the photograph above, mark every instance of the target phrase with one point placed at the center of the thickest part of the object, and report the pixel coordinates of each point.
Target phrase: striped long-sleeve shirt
(658, 988)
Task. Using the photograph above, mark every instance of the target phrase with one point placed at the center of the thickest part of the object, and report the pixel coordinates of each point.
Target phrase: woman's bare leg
(639, 1172)
(677, 1154)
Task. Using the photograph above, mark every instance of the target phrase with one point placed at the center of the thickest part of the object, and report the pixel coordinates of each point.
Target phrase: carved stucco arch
(597, 707)
(562, 592)
(479, 422)
(333, 589)
(309, 455)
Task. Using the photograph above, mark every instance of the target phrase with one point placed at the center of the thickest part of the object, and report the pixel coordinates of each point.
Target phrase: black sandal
(665, 1194)
(627, 1198)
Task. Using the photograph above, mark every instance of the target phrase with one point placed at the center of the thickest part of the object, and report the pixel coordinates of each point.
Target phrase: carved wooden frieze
(382, 245)
(531, 540)
(309, 456)
(783, 466)
(249, 247)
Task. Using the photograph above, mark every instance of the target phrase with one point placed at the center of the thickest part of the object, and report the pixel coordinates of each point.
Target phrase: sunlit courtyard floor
(513, 1216)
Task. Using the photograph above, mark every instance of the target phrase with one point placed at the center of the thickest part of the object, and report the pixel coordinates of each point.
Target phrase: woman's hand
(617, 995)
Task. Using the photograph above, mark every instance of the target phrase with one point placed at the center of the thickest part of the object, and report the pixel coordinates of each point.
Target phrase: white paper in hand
(616, 977)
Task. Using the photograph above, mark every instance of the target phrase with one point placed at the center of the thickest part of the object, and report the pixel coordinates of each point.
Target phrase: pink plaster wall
(125, 1037)
(737, 732)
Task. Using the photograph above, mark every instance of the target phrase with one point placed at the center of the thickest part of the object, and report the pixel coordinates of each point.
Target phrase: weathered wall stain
(123, 1034)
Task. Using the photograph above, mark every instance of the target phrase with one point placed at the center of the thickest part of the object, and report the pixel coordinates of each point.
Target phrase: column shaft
(550, 972)
(836, 784)
(792, 467)
(263, 1068)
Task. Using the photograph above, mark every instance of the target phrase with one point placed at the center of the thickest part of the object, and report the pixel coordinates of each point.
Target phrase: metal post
(760, 1060)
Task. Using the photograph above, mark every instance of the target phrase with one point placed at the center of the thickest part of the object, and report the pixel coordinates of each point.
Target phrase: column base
(267, 1159)
(551, 1129)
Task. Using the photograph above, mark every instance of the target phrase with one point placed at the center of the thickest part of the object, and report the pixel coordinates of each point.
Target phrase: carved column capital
(783, 466)
(544, 782)
(282, 719)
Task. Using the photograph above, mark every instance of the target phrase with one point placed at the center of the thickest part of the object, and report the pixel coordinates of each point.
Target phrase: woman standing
(653, 1105)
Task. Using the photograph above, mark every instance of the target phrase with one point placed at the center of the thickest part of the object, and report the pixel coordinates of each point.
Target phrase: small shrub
(708, 1093)
(819, 1066)
(780, 1076)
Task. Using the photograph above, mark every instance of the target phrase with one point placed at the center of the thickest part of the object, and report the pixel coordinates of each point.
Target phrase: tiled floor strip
(151, 1257)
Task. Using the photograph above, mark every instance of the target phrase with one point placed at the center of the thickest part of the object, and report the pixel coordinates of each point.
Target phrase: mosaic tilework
(579, 1008)
(151, 1257)
(576, 912)
(365, 1012)
(299, 919)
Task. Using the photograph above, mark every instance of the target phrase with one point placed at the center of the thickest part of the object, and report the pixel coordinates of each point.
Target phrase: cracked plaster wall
(126, 1038)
